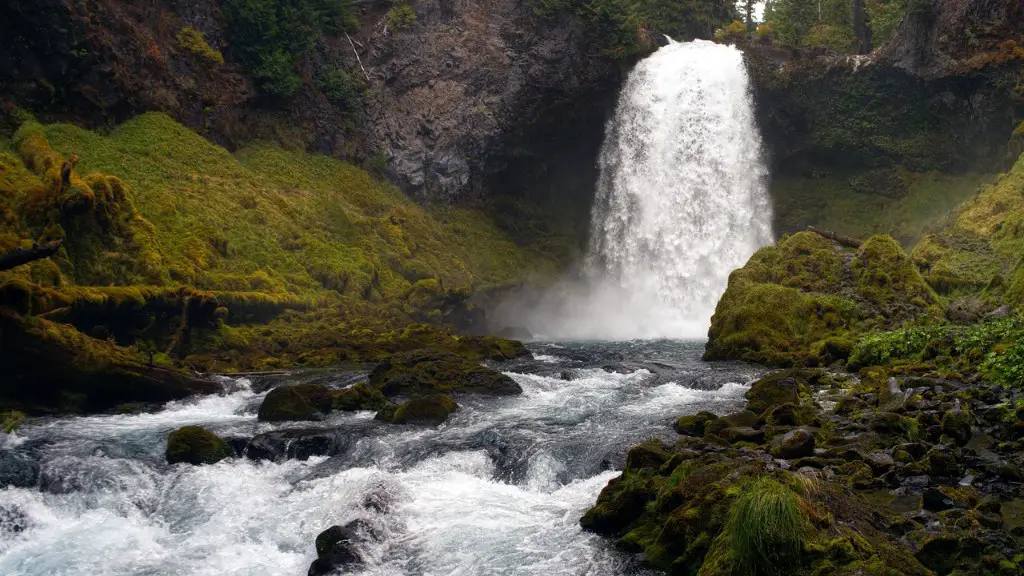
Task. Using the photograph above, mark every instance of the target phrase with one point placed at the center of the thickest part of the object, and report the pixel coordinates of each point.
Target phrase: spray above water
(681, 202)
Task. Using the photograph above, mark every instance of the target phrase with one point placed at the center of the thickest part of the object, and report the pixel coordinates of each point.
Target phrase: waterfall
(681, 200)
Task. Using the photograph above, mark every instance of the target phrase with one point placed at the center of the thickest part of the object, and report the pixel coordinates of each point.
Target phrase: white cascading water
(681, 202)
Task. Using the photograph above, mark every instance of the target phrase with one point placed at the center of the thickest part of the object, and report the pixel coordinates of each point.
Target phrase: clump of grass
(766, 528)
(192, 40)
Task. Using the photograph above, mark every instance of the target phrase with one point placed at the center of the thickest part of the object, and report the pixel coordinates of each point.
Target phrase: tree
(793, 20)
(861, 28)
(748, 13)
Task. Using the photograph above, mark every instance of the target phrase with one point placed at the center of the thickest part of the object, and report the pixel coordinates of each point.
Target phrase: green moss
(431, 371)
(286, 258)
(886, 277)
(192, 40)
(431, 409)
(293, 403)
(195, 445)
(358, 397)
(779, 388)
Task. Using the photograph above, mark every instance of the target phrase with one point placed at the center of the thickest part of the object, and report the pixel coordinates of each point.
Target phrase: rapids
(498, 489)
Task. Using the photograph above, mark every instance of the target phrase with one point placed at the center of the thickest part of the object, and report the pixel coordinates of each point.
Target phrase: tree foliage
(626, 27)
(842, 25)
(269, 36)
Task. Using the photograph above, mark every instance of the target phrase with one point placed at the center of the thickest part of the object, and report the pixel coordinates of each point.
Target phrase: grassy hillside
(259, 258)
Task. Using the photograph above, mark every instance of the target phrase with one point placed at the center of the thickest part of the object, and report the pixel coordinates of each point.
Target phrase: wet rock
(435, 371)
(741, 419)
(295, 403)
(849, 404)
(431, 410)
(13, 520)
(921, 481)
(650, 454)
(798, 443)
(933, 500)
(299, 444)
(790, 415)
(358, 397)
(776, 389)
(237, 444)
(742, 434)
(18, 470)
(942, 464)
(195, 445)
(880, 462)
(337, 547)
(694, 424)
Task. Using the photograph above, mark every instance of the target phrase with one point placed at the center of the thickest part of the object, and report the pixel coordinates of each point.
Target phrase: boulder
(434, 371)
(797, 443)
(942, 463)
(431, 409)
(295, 403)
(957, 424)
(790, 415)
(742, 434)
(694, 424)
(195, 445)
(776, 389)
(18, 470)
(336, 547)
(299, 444)
(358, 397)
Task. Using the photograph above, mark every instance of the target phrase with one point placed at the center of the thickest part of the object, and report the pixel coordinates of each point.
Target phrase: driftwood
(358, 59)
(19, 257)
(841, 240)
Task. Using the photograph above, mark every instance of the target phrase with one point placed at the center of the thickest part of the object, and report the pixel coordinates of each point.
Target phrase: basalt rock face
(452, 89)
(468, 94)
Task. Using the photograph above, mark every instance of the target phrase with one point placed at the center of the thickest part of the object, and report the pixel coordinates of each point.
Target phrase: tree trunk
(860, 27)
(841, 240)
(20, 257)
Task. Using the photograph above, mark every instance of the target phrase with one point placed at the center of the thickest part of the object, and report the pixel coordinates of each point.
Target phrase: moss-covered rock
(358, 397)
(694, 424)
(196, 445)
(805, 301)
(433, 371)
(431, 409)
(719, 511)
(779, 388)
(295, 403)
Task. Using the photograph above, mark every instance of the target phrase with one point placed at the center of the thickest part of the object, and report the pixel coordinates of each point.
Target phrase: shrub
(401, 17)
(736, 30)
(341, 88)
(192, 40)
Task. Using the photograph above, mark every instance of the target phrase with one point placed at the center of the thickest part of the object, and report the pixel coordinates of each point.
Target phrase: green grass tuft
(766, 528)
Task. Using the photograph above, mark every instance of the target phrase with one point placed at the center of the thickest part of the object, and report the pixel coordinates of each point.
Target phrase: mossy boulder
(958, 424)
(358, 397)
(806, 301)
(797, 443)
(435, 371)
(694, 424)
(296, 403)
(786, 387)
(196, 445)
(431, 410)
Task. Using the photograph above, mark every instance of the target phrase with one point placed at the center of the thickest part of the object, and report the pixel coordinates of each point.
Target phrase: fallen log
(24, 256)
(841, 240)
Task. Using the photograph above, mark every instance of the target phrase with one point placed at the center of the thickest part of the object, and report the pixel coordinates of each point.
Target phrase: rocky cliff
(446, 96)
